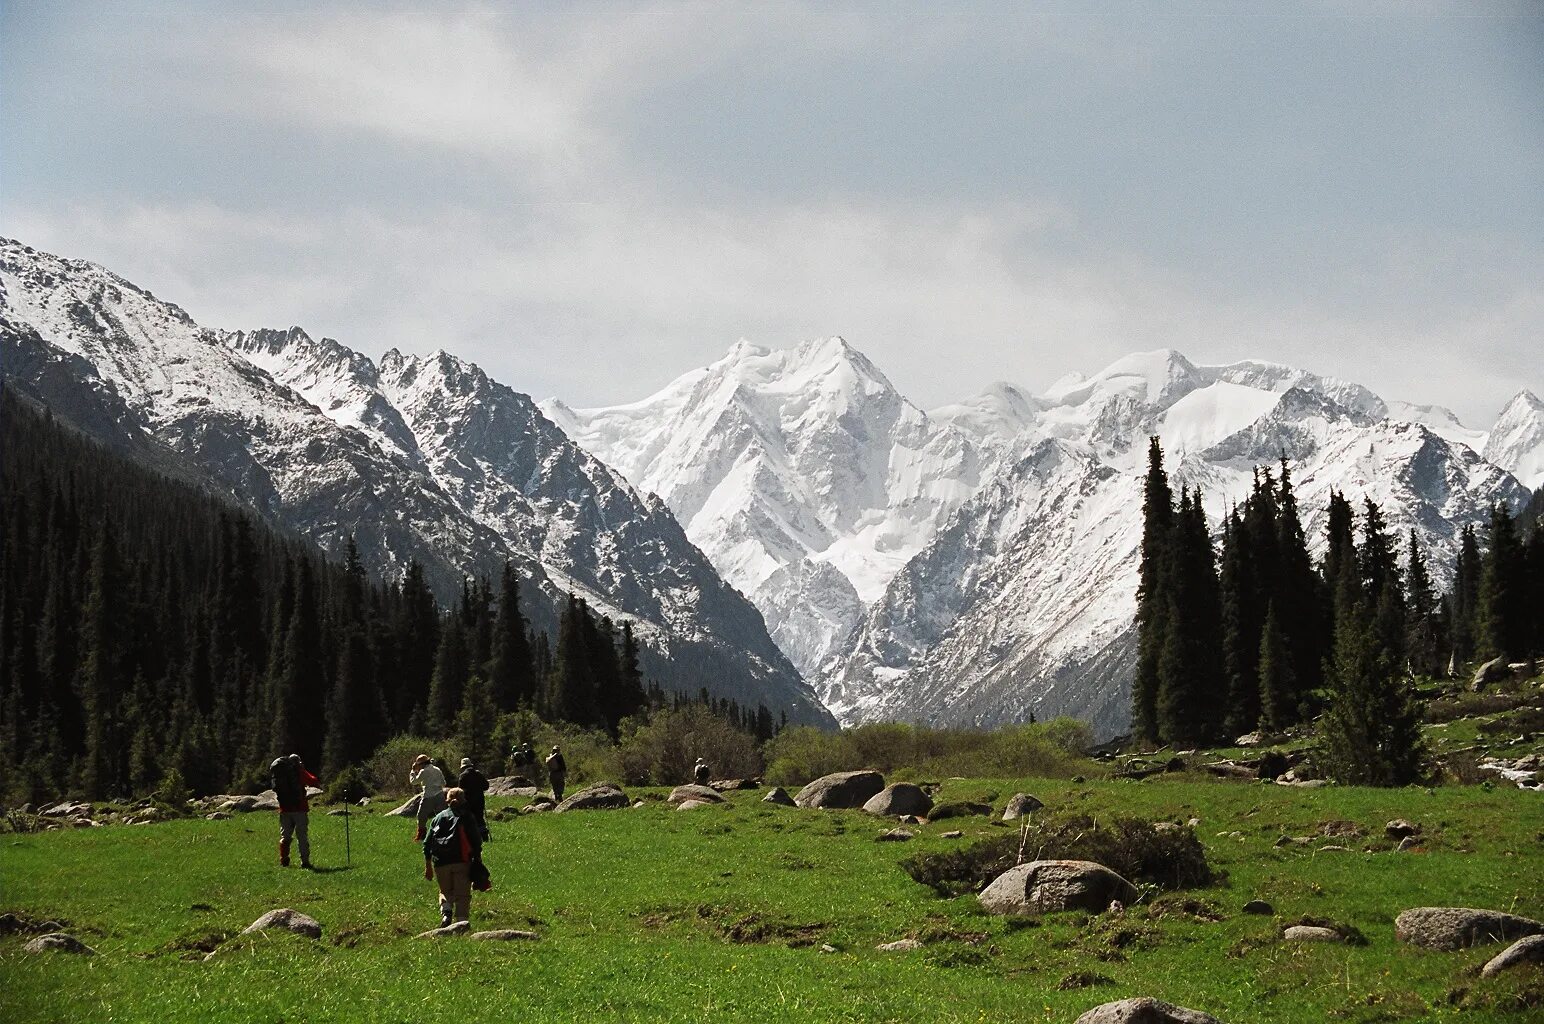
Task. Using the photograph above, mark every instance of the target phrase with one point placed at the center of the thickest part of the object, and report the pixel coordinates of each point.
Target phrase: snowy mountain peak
(1516, 442)
(995, 416)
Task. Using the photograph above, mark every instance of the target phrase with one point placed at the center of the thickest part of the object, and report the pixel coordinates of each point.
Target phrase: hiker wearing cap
(475, 785)
(701, 773)
(452, 852)
(425, 774)
(557, 771)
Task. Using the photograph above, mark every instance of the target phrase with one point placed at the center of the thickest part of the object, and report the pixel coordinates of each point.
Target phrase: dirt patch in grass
(1449, 709)
(1170, 858)
(17, 923)
(1083, 979)
(739, 926)
(195, 945)
(1524, 720)
(1172, 906)
(1338, 828)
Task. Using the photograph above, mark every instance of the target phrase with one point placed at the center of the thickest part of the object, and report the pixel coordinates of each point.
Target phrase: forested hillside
(146, 627)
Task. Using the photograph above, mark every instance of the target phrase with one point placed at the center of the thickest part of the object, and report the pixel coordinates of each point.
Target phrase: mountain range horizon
(969, 564)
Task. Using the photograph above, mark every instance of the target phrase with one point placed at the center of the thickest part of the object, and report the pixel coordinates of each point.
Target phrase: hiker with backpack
(701, 773)
(557, 772)
(452, 855)
(432, 801)
(475, 785)
(290, 779)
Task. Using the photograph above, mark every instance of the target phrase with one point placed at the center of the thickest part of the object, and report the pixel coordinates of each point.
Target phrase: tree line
(147, 627)
(1258, 636)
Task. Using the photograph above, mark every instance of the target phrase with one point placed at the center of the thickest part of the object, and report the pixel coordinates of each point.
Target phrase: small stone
(899, 946)
(1020, 804)
(826, 947)
(895, 835)
(217, 816)
(953, 834)
(503, 935)
(459, 928)
(692, 805)
(1258, 907)
(1310, 933)
(1409, 843)
(1524, 951)
(1399, 828)
(778, 795)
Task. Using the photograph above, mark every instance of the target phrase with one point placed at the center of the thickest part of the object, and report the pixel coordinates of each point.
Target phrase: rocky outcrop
(1523, 951)
(1044, 886)
(701, 794)
(1451, 928)
(778, 795)
(58, 942)
(1020, 804)
(841, 789)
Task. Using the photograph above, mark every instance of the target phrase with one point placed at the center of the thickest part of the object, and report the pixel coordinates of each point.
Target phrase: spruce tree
(1298, 595)
(1464, 600)
(1191, 689)
(1422, 641)
(1240, 629)
(511, 670)
(1378, 562)
(475, 722)
(1503, 614)
(101, 684)
(1279, 692)
(1371, 732)
(451, 668)
(1152, 592)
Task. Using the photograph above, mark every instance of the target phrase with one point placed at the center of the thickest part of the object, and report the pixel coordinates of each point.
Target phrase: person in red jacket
(290, 779)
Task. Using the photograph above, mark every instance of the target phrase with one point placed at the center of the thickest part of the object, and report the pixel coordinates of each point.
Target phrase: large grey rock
(1523, 951)
(1492, 671)
(1460, 927)
(58, 942)
(459, 928)
(1020, 804)
(841, 789)
(407, 810)
(510, 785)
(503, 935)
(1311, 933)
(702, 794)
(1050, 885)
(1144, 1010)
(778, 796)
(602, 796)
(899, 799)
(286, 920)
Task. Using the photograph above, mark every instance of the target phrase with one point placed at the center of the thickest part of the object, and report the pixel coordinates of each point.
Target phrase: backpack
(443, 843)
(286, 781)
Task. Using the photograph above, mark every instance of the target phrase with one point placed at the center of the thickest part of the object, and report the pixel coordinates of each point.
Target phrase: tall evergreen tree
(1191, 689)
(1503, 615)
(1464, 600)
(452, 665)
(511, 669)
(1298, 595)
(1241, 624)
(1279, 690)
(101, 683)
(1152, 592)
(1422, 639)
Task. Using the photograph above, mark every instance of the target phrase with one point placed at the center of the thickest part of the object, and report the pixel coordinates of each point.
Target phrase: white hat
(466, 762)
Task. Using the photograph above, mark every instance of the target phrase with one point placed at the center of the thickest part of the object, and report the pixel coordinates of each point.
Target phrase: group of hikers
(452, 823)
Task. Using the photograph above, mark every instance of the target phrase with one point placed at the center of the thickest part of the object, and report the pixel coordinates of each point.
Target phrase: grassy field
(723, 913)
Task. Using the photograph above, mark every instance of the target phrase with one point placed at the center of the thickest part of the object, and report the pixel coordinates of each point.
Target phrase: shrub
(388, 767)
(349, 784)
(1170, 858)
(662, 749)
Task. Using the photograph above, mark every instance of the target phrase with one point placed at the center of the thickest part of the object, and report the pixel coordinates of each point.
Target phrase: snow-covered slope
(805, 476)
(424, 459)
(1023, 603)
(1516, 442)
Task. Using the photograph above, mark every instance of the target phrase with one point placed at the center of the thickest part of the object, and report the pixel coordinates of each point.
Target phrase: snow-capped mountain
(1023, 603)
(1516, 442)
(803, 473)
(416, 458)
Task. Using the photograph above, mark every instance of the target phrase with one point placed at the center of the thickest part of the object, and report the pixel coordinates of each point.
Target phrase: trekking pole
(348, 850)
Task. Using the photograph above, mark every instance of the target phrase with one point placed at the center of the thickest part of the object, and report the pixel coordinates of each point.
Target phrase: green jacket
(452, 838)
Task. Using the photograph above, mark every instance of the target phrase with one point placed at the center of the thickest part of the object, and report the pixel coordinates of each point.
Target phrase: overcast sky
(589, 200)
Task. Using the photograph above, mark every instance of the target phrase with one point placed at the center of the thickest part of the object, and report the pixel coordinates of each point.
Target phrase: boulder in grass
(959, 809)
(1492, 671)
(1045, 886)
(58, 942)
(1451, 928)
(778, 796)
(1020, 804)
(459, 928)
(1399, 828)
(1144, 1010)
(1523, 951)
(603, 796)
(841, 789)
(692, 805)
(895, 835)
(731, 785)
(1311, 933)
(899, 800)
(899, 946)
(407, 810)
(702, 794)
(286, 920)
(510, 785)
(505, 935)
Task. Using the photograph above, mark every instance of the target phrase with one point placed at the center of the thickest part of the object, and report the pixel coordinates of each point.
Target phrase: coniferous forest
(1256, 636)
(148, 628)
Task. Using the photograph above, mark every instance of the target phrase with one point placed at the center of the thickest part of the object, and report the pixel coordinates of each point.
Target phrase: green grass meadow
(721, 914)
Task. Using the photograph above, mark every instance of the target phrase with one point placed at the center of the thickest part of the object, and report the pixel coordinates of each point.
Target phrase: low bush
(662, 749)
(1170, 858)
